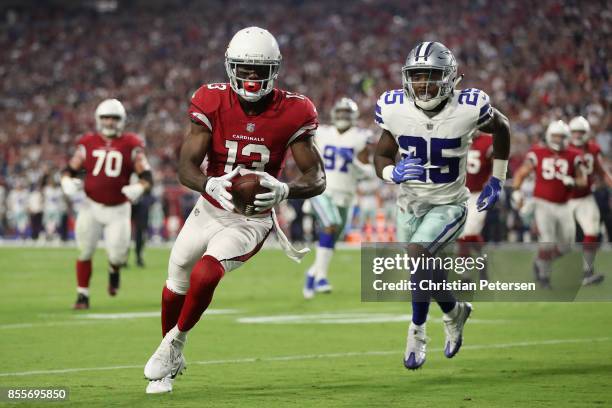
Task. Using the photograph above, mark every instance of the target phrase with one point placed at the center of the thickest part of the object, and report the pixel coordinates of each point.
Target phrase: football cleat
(593, 279)
(160, 386)
(308, 291)
(113, 283)
(82, 302)
(323, 286)
(453, 328)
(167, 361)
(416, 347)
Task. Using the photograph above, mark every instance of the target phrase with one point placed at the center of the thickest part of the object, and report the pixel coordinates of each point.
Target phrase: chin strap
(459, 78)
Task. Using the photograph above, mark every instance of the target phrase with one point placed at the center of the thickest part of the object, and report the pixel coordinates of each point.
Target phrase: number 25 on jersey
(443, 169)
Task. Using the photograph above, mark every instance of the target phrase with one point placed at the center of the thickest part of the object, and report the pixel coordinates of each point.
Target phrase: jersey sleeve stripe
(201, 119)
(378, 119)
(301, 131)
(378, 109)
(484, 110)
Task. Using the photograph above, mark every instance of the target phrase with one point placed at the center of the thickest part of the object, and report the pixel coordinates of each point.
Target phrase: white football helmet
(557, 127)
(430, 56)
(110, 107)
(580, 125)
(252, 46)
(342, 122)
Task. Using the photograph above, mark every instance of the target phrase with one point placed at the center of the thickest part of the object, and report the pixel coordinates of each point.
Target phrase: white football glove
(278, 192)
(568, 181)
(516, 199)
(133, 191)
(71, 185)
(216, 187)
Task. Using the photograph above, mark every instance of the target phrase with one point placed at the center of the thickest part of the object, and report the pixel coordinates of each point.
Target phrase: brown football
(244, 189)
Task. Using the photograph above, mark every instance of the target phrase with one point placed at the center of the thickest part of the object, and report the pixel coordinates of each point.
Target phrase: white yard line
(89, 318)
(312, 356)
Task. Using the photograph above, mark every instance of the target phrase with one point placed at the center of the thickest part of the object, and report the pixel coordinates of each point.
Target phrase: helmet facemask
(344, 114)
(109, 128)
(419, 82)
(557, 135)
(251, 79)
(557, 141)
(107, 110)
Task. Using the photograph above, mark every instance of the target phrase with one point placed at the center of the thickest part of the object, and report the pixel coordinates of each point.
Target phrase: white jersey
(442, 142)
(339, 151)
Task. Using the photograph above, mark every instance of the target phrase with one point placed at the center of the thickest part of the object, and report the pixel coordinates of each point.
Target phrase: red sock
(83, 272)
(171, 309)
(205, 276)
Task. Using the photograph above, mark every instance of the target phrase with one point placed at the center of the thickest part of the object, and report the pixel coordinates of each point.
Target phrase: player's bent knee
(117, 257)
(179, 287)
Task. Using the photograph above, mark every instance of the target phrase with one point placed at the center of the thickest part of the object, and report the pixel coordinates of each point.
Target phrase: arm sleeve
(309, 122)
(378, 113)
(485, 110)
(203, 104)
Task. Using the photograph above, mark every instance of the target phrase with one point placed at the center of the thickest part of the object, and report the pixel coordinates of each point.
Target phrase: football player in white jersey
(345, 155)
(431, 124)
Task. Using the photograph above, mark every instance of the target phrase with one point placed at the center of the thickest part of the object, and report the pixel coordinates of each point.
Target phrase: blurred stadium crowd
(537, 60)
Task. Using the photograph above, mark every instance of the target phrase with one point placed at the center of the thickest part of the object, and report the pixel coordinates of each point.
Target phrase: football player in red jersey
(479, 169)
(582, 202)
(108, 157)
(244, 123)
(558, 169)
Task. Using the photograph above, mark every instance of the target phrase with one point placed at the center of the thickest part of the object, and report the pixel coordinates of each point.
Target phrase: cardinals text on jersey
(441, 142)
(550, 168)
(108, 163)
(339, 151)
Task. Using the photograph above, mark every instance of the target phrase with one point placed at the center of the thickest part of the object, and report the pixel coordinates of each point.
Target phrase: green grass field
(266, 346)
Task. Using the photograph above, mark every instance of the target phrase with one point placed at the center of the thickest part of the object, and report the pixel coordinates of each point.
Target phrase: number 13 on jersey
(248, 151)
(443, 169)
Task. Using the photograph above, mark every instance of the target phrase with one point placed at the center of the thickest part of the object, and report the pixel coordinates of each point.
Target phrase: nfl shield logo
(250, 127)
(430, 126)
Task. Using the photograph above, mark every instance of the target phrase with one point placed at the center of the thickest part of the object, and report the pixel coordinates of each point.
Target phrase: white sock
(322, 260)
(83, 291)
(545, 267)
(587, 261)
(176, 334)
(311, 272)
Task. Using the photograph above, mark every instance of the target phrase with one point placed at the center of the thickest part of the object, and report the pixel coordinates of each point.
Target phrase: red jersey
(109, 163)
(550, 167)
(479, 163)
(589, 151)
(257, 142)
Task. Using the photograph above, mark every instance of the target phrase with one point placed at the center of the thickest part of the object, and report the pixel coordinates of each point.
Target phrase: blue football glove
(407, 169)
(490, 194)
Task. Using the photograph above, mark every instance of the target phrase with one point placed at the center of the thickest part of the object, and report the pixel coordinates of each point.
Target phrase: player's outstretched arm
(581, 179)
(145, 178)
(499, 127)
(308, 159)
(192, 155)
(409, 168)
(70, 184)
(386, 152)
(516, 200)
(600, 168)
